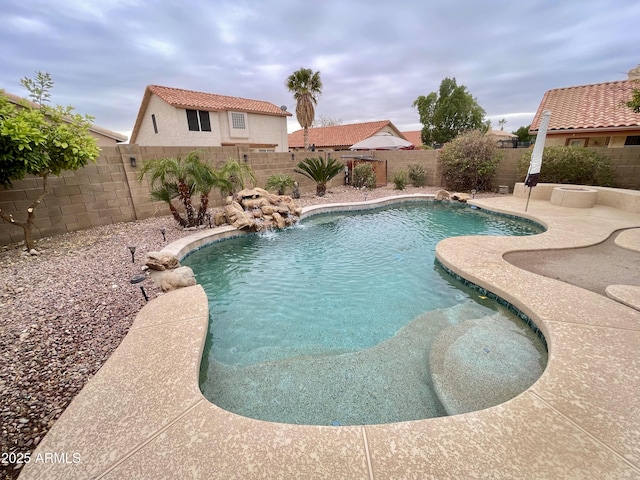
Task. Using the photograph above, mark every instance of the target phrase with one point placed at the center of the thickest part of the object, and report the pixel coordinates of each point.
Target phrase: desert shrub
(469, 162)
(417, 174)
(280, 182)
(577, 165)
(364, 176)
(400, 178)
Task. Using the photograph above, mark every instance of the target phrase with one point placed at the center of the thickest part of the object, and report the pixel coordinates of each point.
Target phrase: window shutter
(205, 122)
(192, 120)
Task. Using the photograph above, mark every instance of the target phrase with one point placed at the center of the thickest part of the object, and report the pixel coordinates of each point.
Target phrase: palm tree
(319, 171)
(175, 177)
(502, 123)
(280, 183)
(306, 87)
(234, 176)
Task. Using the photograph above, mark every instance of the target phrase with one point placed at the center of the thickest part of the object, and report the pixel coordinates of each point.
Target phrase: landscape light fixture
(293, 157)
(133, 161)
(245, 157)
(163, 231)
(132, 249)
(473, 193)
(209, 219)
(138, 279)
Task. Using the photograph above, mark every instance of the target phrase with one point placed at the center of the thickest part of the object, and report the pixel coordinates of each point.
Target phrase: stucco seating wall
(571, 196)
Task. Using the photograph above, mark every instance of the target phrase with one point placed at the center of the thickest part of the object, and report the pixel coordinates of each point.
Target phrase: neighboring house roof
(414, 137)
(189, 99)
(339, 135)
(589, 107)
(118, 137)
(501, 134)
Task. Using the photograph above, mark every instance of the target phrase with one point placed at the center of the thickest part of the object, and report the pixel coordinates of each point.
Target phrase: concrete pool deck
(143, 416)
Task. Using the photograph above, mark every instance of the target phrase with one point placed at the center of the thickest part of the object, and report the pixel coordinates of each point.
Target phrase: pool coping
(143, 416)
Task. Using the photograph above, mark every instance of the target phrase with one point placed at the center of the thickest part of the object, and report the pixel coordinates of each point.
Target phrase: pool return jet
(533, 174)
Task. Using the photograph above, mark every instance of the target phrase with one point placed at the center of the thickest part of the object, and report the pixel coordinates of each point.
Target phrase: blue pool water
(315, 323)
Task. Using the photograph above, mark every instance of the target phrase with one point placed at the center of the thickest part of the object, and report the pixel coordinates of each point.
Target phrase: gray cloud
(374, 57)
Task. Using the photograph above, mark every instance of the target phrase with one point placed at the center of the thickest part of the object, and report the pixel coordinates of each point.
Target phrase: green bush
(417, 174)
(576, 165)
(279, 182)
(364, 176)
(400, 179)
(469, 162)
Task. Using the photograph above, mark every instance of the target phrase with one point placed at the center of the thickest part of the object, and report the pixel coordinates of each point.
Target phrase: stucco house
(592, 115)
(341, 137)
(176, 117)
(104, 137)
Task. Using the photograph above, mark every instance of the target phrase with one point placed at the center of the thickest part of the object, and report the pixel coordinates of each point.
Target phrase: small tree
(180, 178)
(36, 139)
(448, 113)
(634, 103)
(280, 183)
(320, 171)
(523, 134)
(469, 162)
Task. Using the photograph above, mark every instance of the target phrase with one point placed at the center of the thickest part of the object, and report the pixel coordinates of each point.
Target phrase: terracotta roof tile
(414, 137)
(180, 98)
(600, 105)
(338, 135)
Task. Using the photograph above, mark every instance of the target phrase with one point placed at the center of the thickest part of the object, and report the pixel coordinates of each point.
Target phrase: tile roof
(598, 106)
(339, 135)
(180, 98)
(414, 136)
(118, 137)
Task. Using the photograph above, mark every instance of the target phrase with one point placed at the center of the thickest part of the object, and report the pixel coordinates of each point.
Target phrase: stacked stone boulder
(166, 272)
(256, 209)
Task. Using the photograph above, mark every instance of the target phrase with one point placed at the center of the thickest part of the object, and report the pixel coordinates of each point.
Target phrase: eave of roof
(593, 107)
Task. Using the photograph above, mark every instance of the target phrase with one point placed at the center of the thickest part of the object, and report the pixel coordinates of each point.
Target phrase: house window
(577, 142)
(198, 120)
(632, 140)
(155, 125)
(238, 121)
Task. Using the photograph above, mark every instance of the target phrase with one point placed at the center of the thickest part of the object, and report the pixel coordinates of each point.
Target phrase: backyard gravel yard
(65, 311)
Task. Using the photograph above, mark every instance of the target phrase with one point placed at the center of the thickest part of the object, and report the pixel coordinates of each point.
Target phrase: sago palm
(320, 171)
(306, 87)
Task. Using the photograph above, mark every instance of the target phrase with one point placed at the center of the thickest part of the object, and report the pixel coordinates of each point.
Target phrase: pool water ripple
(338, 286)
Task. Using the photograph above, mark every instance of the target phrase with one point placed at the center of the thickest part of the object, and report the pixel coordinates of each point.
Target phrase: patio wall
(108, 191)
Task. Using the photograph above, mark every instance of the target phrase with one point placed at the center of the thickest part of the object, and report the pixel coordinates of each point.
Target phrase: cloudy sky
(375, 57)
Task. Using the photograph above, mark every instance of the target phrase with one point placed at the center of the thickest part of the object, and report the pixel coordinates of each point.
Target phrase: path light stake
(132, 249)
(209, 218)
(473, 193)
(138, 279)
(163, 231)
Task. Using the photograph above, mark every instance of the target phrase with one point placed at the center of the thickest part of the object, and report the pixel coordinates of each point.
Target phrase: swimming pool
(331, 322)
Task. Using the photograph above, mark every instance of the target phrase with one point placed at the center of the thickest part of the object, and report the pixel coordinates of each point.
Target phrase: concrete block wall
(108, 191)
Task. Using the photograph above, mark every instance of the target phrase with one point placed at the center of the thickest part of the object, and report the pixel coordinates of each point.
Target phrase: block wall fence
(108, 191)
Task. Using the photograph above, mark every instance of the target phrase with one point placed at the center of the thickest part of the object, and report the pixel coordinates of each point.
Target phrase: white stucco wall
(173, 129)
(263, 129)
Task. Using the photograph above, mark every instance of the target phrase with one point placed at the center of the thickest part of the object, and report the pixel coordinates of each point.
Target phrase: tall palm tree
(306, 87)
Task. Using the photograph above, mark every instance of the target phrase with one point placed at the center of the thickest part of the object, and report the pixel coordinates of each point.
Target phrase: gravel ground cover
(64, 312)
